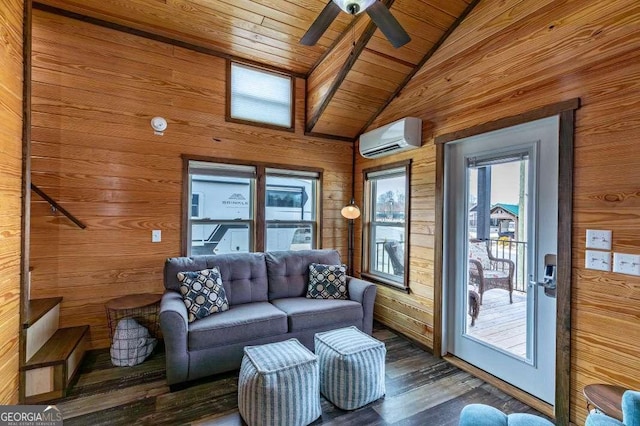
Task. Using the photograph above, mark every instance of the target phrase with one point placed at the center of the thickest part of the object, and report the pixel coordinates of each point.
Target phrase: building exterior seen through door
(501, 222)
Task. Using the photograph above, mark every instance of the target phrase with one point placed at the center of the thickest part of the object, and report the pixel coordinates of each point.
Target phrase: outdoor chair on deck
(487, 272)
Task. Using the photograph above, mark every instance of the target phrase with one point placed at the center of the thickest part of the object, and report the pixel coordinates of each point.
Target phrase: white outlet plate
(599, 239)
(626, 263)
(600, 260)
(156, 236)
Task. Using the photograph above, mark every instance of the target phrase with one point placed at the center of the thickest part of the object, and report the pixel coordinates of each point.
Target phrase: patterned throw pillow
(327, 281)
(203, 293)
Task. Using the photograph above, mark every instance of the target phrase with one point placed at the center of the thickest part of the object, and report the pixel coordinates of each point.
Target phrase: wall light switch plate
(600, 260)
(626, 263)
(599, 239)
(156, 236)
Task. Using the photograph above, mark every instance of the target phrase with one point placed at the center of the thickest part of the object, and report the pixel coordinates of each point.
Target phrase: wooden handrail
(57, 206)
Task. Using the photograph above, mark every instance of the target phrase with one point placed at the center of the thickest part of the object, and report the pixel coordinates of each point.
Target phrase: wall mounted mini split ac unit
(401, 135)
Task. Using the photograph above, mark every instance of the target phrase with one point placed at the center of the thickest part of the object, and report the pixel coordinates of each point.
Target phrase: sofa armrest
(174, 324)
(364, 293)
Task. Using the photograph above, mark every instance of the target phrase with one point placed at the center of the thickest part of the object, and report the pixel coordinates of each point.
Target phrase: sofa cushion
(202, 293)
(303, 313)
(240, 323)
(288, 271)
(327, 281)
(244, 275)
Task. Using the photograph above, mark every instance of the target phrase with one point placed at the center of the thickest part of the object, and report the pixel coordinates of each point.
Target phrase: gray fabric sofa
(267, 303)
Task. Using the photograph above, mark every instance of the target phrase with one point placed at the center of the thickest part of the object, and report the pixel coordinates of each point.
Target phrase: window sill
(387, 283)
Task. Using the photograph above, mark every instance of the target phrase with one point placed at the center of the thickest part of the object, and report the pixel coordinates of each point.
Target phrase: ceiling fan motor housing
(354, 7)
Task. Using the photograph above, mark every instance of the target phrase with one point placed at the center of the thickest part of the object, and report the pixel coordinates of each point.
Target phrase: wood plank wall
(94, 93)
(509, 57)
(11, 18)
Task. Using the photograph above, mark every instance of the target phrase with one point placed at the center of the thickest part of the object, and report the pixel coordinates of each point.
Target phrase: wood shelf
(38, 308)
(58, 348)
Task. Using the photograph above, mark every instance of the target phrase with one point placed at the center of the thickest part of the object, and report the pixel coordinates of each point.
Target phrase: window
(260, 96)
(224, 215)
(386, 224)
(291, 209)
(221, 218)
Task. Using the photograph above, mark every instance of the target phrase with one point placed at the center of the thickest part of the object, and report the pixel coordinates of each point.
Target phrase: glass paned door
(501, 223)
(498, 306)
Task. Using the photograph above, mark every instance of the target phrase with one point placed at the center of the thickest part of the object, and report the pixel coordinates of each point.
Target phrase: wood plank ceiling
(352, 73)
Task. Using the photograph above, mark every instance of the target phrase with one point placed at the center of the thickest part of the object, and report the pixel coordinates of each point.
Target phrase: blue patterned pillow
(327, 281)
(203, 293)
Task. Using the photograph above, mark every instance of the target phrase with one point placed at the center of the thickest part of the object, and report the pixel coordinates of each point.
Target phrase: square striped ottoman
(351, 367)
(279, 384)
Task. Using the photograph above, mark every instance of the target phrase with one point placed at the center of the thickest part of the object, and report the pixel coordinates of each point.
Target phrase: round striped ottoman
(279, 384)
(351, 367)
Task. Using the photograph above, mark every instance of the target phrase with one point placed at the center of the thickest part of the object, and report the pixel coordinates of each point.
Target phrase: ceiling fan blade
(320, 25)
(389, 25)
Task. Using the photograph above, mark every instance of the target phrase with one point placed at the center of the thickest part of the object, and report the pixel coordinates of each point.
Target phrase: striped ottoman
(279, 384)
(351, 367)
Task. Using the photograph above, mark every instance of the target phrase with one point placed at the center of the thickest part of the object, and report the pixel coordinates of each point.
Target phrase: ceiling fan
(378, 12)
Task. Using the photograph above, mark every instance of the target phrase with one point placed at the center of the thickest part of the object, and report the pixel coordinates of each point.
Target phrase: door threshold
(533, 402)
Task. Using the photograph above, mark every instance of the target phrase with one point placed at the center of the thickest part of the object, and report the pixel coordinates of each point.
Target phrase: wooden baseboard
(519, 394)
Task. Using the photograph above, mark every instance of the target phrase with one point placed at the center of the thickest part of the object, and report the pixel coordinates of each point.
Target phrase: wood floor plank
(421, 390)
(399, 407)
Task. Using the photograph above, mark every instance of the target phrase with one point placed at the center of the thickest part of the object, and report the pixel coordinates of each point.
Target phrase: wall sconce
(159, 125)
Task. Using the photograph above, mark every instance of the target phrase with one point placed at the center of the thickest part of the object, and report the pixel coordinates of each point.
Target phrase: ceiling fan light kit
(377, 10)
(354, 7)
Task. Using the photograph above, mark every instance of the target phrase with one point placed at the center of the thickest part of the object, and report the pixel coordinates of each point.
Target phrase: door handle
(549, 283)
(549, 280)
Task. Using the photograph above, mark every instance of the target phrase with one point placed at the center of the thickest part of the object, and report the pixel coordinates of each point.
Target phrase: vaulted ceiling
(352, 73)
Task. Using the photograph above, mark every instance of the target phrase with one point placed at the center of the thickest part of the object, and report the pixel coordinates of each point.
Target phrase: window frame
(230, 119)
(257, 225)
(368, 226)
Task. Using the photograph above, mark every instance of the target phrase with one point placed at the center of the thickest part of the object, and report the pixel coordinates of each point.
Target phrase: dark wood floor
(421, 390)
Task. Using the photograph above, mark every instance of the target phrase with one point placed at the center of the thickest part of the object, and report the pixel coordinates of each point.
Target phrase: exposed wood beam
(344, 70)
(162, 39)
(417, 68)
(335, 43)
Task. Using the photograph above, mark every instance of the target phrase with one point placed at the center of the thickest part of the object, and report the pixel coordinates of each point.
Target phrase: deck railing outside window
(383, 261)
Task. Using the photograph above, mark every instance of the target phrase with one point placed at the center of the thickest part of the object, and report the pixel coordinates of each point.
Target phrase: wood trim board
(542, 112)
(26, 188)
(564, 278)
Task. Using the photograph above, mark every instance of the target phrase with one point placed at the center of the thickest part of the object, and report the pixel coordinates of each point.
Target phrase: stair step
(37, 308)
(58, 348)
